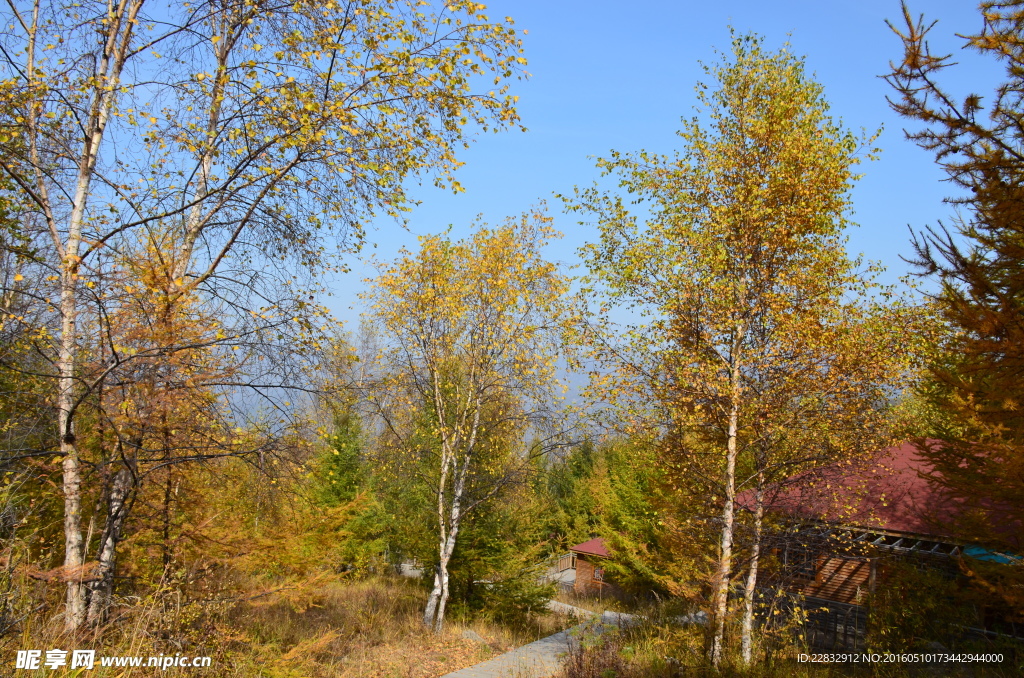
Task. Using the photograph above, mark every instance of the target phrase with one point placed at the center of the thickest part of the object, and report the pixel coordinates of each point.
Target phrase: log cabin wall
(848, 570)
(842, 579)
(831, 571)
(585, 576)
(586, 582)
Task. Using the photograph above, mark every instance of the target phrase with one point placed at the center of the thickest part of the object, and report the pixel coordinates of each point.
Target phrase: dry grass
(365, 629)
(671, 651)
(369, 628)
(594, 603)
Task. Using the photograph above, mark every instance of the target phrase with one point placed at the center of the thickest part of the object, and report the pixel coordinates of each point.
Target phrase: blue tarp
(980, 553)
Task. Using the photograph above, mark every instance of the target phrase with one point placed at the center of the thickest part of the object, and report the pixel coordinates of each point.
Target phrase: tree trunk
(435, 595)
(455, 517)
(165, 542)
(433, 617)
(749, 590)
(116, 39)
(103, 586)
(438, 600)
(72, 476)
(442, 600)
(441, 572)
(720, 600)
(165, 509)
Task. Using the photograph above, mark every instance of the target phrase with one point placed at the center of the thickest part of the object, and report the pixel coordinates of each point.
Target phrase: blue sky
(607, 75)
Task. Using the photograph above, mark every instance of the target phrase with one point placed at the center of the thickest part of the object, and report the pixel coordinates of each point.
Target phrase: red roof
(889, 493)
(594, 547)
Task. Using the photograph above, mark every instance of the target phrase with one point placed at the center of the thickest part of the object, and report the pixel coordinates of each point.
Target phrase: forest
(722, 430)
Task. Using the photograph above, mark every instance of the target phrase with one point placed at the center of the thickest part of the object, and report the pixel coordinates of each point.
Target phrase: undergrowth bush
(672, 651)
(605, 657)
(517, 599)
(913, 608)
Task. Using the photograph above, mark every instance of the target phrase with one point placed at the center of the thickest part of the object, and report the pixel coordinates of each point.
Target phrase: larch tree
(254, 133)
(160, 410)
(978, 262)
(976, 387)
(465, 392)
(746, 334)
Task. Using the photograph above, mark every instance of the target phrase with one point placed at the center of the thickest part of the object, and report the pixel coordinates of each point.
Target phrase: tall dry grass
(662, 650)
(338, 629)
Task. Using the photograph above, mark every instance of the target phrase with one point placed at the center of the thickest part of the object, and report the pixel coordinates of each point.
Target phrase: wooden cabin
(847, 527)
(590, 558)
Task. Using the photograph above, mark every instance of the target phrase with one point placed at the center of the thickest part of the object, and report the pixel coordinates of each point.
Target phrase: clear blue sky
(610, 75)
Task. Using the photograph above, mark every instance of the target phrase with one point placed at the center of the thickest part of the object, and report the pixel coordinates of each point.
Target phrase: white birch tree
(257, 133)
(753, 349)
(473, 338)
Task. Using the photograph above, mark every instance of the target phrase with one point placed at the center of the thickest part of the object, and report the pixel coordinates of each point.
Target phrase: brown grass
(670, 651)
(594, 603)
(337, 629)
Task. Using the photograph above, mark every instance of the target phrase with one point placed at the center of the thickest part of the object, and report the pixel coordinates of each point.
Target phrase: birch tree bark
(102, 585)
(750, 586)
(116, 37)
(215, 130)
(724, 573)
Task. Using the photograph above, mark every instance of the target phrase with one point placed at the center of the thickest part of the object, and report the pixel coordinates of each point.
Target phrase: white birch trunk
(433, 616)
(450, 519)
(102, 587)
(441, 585)
(750, 587)
(119, 29)
(441, 573)
(442, 602)
(196, 221)
(67, 250)
(72, 477)
(720, 599)
(435, 595)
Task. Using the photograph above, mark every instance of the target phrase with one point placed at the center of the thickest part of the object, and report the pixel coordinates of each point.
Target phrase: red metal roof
(593, 547)
(891, 492)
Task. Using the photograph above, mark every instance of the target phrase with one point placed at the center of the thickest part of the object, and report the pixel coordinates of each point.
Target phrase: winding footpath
(541, 658)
